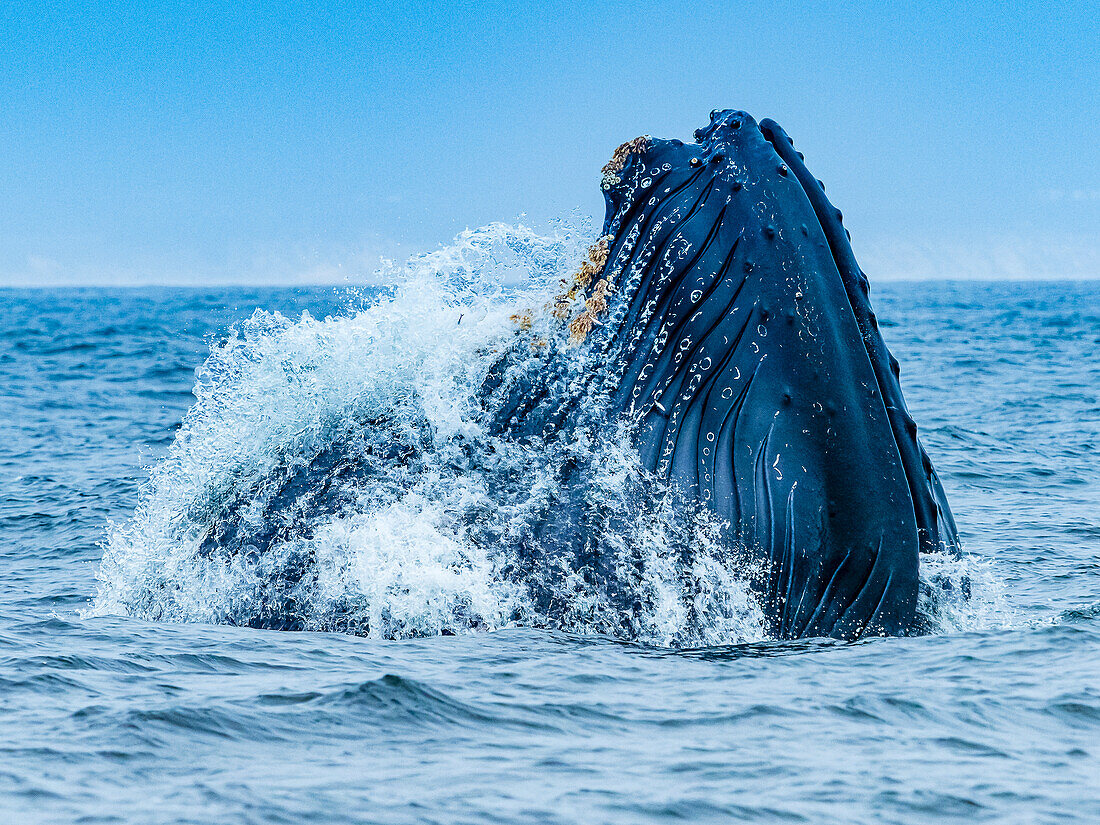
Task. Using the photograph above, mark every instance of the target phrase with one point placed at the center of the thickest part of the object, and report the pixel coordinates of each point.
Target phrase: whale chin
(740, 347)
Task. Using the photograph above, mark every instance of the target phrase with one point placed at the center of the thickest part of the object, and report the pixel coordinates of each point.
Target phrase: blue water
(116, 718)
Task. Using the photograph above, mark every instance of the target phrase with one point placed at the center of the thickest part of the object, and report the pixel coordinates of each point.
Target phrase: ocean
(133, 691)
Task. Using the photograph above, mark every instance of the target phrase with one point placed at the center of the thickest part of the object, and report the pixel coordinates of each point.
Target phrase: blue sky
(196, 142)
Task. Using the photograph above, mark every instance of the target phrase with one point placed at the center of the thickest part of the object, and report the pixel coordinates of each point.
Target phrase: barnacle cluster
(596, 303)
(589, 269)
(618, 160)
(524, 320)
(597, 260)
(588, 274)
(561, 307)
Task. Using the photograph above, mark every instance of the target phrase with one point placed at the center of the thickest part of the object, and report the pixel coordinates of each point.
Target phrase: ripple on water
(994, 719)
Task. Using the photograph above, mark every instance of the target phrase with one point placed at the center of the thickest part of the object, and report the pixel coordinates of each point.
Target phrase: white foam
(432, 544)
(962, 593)
(424, 550)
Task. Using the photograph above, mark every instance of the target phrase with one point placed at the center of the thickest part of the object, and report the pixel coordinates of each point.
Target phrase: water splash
(961, 593)
(435, 528)
(431, 524)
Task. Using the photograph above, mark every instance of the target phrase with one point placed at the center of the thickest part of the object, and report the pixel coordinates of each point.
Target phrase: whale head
(742, 348)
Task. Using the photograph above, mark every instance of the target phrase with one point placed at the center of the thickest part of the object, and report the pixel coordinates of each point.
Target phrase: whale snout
(723, 122)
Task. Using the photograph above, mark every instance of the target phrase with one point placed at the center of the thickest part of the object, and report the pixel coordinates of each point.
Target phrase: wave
(341, 474)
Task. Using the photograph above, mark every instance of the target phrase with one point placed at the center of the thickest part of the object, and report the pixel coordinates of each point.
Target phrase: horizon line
(283, 285)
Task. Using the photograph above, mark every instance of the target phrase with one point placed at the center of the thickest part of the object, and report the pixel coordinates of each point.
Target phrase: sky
(213, 143)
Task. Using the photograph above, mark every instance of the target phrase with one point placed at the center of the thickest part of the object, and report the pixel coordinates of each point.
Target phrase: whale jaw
(745, 354)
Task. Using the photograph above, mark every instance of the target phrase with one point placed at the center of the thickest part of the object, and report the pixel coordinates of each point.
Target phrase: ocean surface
(130, 694)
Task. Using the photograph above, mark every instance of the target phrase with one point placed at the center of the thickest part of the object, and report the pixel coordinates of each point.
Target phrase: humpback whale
(722, 326)
(736, 336)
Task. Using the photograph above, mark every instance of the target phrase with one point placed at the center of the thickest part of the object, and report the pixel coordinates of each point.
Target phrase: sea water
(130, 692)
